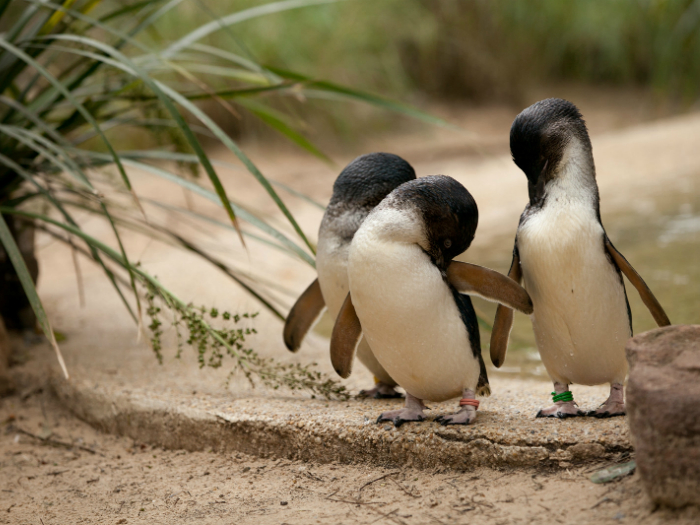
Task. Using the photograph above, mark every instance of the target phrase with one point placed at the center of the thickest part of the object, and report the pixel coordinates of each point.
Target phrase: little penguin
(406, 298)
(567, 263)
(357, 190)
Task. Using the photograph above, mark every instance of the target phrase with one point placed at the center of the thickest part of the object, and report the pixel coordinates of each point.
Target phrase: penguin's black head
(368, 179)
(539, 138)
(448, 212)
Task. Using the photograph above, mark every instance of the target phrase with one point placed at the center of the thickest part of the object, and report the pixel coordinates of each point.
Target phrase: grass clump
(76, 76)
(212, 343)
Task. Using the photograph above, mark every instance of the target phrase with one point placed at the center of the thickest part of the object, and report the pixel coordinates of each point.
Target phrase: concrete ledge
(505, 434)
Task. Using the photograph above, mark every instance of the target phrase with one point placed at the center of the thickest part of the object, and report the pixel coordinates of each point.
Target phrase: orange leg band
(469, 402)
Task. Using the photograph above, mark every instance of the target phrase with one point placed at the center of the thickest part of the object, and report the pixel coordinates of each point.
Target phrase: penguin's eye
(447, 243)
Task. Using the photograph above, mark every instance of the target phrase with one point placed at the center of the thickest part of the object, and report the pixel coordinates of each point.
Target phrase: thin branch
(55, 442)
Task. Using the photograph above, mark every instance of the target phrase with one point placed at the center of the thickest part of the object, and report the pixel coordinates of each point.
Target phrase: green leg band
(564, 396)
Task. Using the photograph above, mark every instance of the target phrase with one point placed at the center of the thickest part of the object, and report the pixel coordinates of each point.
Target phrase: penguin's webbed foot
(465, 416)
(609, 410)
(381, 391)
(413, 411)
(399, 417)
(614, 406)
(561, 410)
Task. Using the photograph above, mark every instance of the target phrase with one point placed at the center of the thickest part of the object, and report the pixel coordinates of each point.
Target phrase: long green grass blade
(95, 125)
(204, 255)
(164, 92)
(3, 5)
(235, 18)
(125, 263)
(48, 150)
(67, 94)
(231, 57)
(172, 238)
(276, 121)
(25, 279)
(59, 206)
(223, 225)
(33, 118)
(187, 157)
(168, 95)
(361, 96)
(167, 101)
(211, 196)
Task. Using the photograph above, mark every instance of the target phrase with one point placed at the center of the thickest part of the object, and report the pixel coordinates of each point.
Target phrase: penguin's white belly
(580, 315)
(410, 319)
(332, 268)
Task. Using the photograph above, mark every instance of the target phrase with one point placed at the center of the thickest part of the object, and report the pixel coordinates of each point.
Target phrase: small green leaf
(25, 279)
(612, 473)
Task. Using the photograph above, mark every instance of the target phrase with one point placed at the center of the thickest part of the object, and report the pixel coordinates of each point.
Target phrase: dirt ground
(92, 477)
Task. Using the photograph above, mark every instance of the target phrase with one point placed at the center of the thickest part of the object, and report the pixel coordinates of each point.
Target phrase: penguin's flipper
(476, 280)
(347, 333)
(503, 323)
(303, 315)
(644, 292)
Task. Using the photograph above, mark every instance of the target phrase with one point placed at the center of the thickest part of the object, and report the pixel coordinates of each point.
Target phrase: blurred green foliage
(472, 50)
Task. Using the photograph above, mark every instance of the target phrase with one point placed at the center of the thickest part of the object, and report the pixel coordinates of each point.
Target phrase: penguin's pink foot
(381, 391)
(466, 413)
(615, 404)
(413, 411)
(564, 405)
(464, 416)
(561, 410)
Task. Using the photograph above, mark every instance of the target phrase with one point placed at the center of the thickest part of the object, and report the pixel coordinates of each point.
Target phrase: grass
(77, 75)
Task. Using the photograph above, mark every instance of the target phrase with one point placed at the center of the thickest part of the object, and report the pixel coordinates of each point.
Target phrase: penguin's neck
(340, 222)
(392, 224)
(573, 184)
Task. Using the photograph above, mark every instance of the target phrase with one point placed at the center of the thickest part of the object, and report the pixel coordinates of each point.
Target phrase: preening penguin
(357, 190)
(567, 264)
(405, 297)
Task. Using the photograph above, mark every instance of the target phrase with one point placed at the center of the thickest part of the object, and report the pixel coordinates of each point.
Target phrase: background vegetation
(469, 51)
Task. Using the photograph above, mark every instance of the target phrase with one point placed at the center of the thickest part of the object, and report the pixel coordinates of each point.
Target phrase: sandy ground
(96, 478)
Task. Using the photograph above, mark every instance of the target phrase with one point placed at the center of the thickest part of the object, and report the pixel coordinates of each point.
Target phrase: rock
(663, 407)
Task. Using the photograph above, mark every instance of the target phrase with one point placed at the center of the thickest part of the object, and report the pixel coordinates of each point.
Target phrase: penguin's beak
(535, 186)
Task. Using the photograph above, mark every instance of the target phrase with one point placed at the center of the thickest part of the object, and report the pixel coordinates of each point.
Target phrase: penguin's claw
(562, 410)
(381, 391)
(614, 405)
(608, 410)
(464, 416)
(399, 417)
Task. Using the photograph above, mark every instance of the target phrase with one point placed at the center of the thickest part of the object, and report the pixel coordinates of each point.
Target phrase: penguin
(406, 298)
(567, 263)
(357, 190)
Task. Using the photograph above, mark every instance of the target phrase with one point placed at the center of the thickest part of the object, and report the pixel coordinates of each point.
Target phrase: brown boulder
(663, 406)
